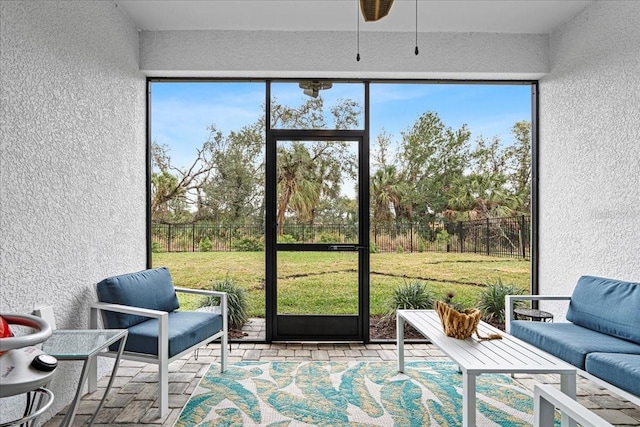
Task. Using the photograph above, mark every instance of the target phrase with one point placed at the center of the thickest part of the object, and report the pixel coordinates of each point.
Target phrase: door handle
(345, 247)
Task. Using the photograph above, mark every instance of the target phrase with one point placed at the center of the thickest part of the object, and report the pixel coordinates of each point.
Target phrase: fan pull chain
(416, 51)
(358, 17)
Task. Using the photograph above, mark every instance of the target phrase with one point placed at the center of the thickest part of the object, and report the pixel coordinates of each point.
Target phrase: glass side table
(537, 315)
(84, 345)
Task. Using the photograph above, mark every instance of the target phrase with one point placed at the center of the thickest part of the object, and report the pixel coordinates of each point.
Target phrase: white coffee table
(475, 357)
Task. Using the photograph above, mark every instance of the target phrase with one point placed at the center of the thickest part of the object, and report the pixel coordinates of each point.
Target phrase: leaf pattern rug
(318, 393)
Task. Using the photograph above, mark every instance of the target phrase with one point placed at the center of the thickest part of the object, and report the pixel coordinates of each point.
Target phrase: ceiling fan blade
(372, 10)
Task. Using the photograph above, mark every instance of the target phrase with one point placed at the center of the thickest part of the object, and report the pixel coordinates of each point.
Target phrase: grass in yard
(325, 282)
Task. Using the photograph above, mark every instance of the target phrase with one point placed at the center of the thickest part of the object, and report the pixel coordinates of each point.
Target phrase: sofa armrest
(511, 299)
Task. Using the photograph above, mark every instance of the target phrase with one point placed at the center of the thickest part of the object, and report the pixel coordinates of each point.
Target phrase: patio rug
(350, 394)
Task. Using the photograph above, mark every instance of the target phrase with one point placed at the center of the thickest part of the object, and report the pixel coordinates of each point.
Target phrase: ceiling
(492, 16)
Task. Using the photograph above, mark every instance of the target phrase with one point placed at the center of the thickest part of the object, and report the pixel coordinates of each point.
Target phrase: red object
(5, 332)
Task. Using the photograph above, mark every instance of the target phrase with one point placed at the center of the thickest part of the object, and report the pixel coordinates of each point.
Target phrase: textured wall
(333, 54)
(72, 159)
(590, 149)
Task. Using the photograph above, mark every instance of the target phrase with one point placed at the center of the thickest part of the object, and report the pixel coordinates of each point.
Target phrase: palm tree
(386, 191)
(480, 196)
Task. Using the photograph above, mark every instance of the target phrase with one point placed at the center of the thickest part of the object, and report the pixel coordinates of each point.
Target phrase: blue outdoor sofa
(601, 336)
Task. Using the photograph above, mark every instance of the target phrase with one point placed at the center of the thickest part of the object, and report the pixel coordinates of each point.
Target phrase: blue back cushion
(608, 306)
(152, 289)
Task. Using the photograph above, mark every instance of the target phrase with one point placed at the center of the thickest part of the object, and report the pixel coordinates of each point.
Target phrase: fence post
(411, 236)
(523, 236)
(488, 239)
(461, 236)
(169, 239)
(193, 237)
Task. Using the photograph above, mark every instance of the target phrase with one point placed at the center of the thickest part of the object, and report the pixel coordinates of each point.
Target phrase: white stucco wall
(590, 149)
(333, 55)
(72, 160)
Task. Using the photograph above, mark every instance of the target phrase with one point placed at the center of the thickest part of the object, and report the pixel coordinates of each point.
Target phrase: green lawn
(324, 282)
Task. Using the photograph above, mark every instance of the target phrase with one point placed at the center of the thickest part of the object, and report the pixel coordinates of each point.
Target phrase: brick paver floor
(132, 398)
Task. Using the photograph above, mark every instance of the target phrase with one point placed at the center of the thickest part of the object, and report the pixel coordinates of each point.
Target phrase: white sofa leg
(223, 352)
(225, 333)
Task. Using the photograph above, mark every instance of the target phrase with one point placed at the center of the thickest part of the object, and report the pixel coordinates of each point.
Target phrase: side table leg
(400, 341)
(94, 361)
(73, 407)
(468, 399)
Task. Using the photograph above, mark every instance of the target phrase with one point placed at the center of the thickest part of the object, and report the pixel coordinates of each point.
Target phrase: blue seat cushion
(621, 370)
(186, 328)
(570, 342)
(608, 306)
(152, 289)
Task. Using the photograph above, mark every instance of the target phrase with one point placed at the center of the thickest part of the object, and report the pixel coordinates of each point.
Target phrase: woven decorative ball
(457, 324)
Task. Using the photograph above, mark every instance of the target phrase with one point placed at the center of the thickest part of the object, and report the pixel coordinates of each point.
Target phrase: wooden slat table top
(506, 355)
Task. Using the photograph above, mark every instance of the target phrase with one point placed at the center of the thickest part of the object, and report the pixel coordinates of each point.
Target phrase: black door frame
(317, 327)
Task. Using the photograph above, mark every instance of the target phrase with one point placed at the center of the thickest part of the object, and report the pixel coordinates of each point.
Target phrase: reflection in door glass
(316, 191)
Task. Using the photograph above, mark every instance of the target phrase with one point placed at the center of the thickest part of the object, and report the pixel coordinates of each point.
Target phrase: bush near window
(410, 296)
(237, 304)
(492, 297)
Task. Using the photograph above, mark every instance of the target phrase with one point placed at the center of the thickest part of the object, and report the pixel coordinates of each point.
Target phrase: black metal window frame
(534, 285)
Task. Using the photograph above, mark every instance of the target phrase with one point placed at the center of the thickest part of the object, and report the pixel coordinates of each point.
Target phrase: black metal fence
(508, 237)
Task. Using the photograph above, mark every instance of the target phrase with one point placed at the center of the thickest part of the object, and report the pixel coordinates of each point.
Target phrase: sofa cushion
(621, 370)
(608, 306)
(570, 342)
(186, 328)
(152, 289)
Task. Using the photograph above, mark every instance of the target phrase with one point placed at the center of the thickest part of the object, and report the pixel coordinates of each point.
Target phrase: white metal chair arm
(127, 309)
(546, 398)
(202, 292)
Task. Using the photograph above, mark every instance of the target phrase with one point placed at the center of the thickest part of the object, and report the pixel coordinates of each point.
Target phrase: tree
(235, 190)
(309, 173)
(173, 184)
(432, 157)
(518, 164)
(387, 190)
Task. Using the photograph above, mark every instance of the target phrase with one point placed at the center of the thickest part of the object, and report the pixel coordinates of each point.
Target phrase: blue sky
(181, 111)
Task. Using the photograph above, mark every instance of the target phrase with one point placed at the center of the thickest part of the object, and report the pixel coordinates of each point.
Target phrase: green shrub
(373, 249)
(248, 244)
(287, 238)
(205, 245)
(237, 305)
(492, 298)
(399, 250)
(443, 237)
(329, 238)
(410, 296)
(155, 247)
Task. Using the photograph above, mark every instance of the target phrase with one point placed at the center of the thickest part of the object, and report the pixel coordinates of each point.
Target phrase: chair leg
(163, 385)
(163, 365)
